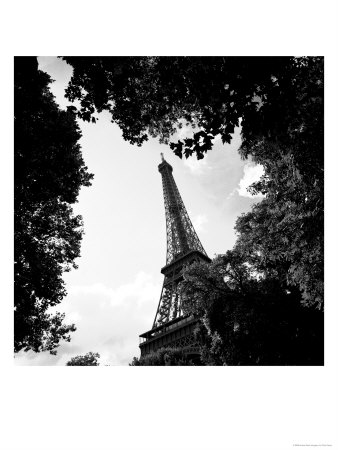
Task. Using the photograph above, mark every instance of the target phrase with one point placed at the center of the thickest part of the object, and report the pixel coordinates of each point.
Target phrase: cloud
(108, 321)
(199, 221)
(73, 317)
(186, 131)
(197, 166)
(142, 288)
(252, 173)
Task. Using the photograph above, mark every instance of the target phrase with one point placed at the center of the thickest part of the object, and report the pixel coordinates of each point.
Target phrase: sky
(113, 295)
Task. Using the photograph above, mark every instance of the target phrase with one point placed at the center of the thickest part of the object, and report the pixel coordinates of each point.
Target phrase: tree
(89, 359)
(282, 236)
(164, 357)
(278, 99)
(279, 103)
(49, 172)
(277, 262)
(249, 319)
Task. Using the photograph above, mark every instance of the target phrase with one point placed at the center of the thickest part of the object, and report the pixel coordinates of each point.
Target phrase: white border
(208, 408)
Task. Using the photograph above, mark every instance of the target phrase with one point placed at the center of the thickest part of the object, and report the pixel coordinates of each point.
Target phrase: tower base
(178, 332)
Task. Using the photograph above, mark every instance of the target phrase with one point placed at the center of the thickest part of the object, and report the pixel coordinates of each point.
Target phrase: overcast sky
(113, 295)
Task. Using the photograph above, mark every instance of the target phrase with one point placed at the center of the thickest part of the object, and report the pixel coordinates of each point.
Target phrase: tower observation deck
(170, 327)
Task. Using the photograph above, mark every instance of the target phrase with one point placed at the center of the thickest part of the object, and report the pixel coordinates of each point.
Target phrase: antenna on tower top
(162, 157)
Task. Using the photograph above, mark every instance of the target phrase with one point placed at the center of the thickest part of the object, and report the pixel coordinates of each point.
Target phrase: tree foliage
(49, 172)
(164, 357)
(250, 319)
(276, 267)
(89, 359)
(277, 101)
(282, 236)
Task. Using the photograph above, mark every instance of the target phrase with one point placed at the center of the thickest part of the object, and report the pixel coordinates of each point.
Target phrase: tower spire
(181, 235)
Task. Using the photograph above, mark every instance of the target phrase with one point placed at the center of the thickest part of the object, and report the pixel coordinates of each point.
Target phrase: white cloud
(184, 132)
(142, 288)
(199, 221)
(96, 289)
(73, 317)
(108, 321)
(196, 166)
(252, 173)
(232, 193)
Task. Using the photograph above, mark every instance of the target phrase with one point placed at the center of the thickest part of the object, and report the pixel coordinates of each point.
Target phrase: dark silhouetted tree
(89, 359)
(49, 172)
(250, 318)
(282, 236)
(164, 357)
(277, 101)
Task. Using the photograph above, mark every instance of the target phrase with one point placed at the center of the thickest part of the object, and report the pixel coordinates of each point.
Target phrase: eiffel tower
(171, 328)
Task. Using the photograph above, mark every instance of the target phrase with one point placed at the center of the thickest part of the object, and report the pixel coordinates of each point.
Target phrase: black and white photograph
(234, 145)
(168, 198)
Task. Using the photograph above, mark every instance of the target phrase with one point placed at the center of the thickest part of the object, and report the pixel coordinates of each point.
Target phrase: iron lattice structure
(181, 235)
(171, 327)
(183, 247)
